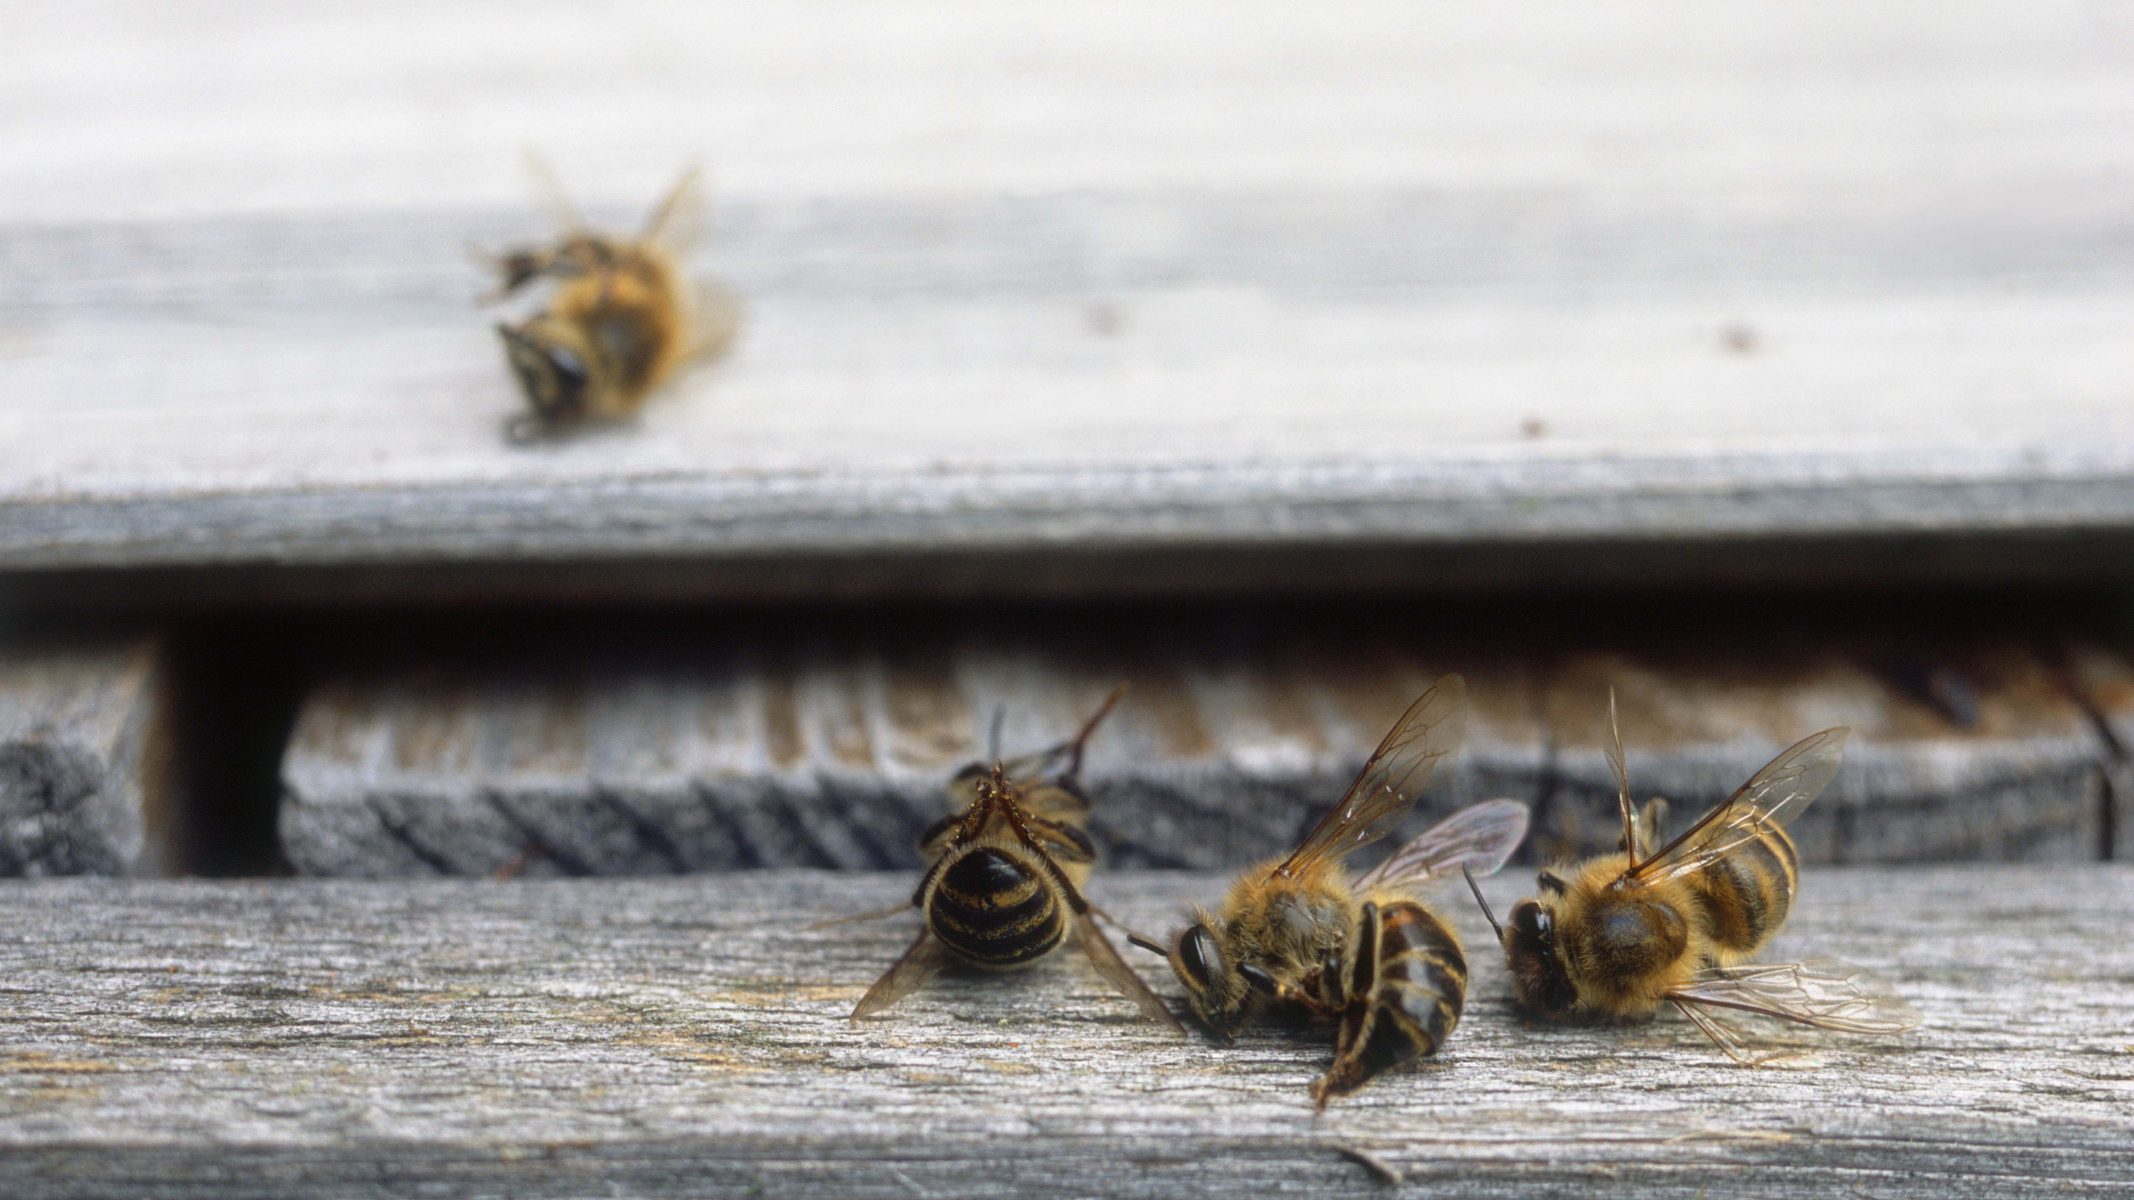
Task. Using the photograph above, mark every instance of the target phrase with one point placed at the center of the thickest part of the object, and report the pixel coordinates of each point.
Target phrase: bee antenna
(1000, 714)
(1487, 915)
(1074, 748)
(1146, 944)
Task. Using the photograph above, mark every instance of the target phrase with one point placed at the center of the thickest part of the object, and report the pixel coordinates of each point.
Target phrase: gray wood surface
(1971, 750)
(1107, 287)
(82, 757)
(2104, 683)
(681, 1037)
(800, 746)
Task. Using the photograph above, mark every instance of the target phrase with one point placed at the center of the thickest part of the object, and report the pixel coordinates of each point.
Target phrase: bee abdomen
(1422, 986)
(1747, 894)
(993, 910)
(1423, 964)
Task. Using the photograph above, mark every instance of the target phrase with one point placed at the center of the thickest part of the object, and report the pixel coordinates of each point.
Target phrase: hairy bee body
(1745, 897)
(1621, 934)
(621, 320)
(992, 904)
(1625, 946)
(1365, 953)
(1003, 885)
(607, 339)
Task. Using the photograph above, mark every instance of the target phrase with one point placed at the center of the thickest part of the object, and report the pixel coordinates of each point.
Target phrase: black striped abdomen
(1747, 894)
(1421, 987)
(991, 909)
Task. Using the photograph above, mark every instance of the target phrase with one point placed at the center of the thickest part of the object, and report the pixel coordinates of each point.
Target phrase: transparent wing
(1826, 993)
(1479, 837)
(1622, 781)
(553, 199)
(1105, 958)
(717, 321)
(1390, 780)
(872, 914)
(1772, 797)
(1729, 1036)
(921, 962)
(679, 219)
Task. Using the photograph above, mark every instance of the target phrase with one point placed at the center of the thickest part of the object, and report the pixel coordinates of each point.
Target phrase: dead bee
(621, 320)
(1365, 953)
(1004, 887)
(1617, 935)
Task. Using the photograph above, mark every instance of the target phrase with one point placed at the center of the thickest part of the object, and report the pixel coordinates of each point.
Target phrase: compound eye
(1199, 956)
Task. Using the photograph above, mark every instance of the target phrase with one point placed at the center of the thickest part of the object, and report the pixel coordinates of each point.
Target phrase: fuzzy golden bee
(621, 320)
(1365, 953)
(1619, 935)
(1004, 886)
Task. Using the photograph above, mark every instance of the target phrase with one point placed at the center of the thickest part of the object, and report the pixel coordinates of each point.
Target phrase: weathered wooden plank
(555, 1038)
(1653, 291)
(82, 756)
(824, 748)
(1958, 751)
(801, 746)
(2102, 680)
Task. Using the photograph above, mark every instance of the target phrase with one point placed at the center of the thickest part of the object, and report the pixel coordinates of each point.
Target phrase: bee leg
(1359, 1013)
(1282, 992)
(1349, 1071)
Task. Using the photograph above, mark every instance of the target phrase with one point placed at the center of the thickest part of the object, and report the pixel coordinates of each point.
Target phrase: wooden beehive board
(1112, 298)
(684, 1037)
(83, 746)
(827, 744)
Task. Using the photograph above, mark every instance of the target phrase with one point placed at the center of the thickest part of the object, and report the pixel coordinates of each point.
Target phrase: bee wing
(1622, 781)
(872, 914)
(679, 219)
(1391, 778)
(1479, 837)
(921, 962)
(549, 192)
(1105, 958)
(717, 320)
(1826, 993)
(1772, 797)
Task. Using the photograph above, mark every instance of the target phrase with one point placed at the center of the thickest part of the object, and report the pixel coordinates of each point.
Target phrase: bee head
(551, 361)
(1215, 988)
(1539, 981)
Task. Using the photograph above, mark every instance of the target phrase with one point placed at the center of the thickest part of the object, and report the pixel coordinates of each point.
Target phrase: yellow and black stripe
(1407, 985)
(995, 910)
(1746, 895)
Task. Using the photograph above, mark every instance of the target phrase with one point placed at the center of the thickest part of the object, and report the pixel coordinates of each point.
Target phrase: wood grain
(829, 747)
(1105, 284)
(1972, 750)
(81, 757)
(553, 1038)
(801, 744)
(2103, 682)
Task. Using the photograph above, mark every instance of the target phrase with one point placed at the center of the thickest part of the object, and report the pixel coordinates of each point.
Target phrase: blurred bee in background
(1367, 953)
(1004, 886)
(1616, 936)
(621, 319)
